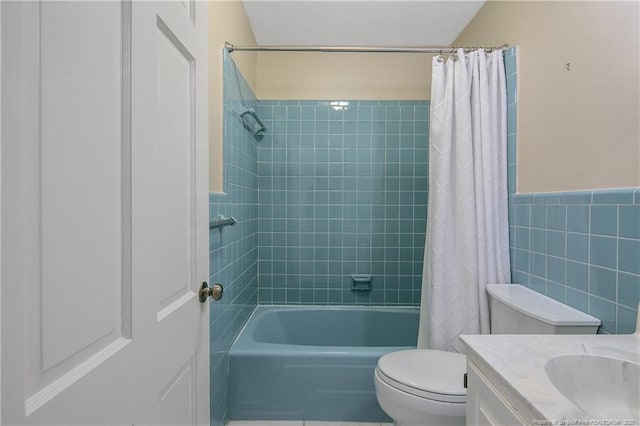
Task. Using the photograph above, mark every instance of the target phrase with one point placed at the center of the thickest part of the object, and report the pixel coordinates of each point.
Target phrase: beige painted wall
(577, 128)
(227, 22)
(364, 76)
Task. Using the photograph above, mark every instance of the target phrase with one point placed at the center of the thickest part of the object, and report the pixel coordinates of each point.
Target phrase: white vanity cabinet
(489, 402)
(508, 382)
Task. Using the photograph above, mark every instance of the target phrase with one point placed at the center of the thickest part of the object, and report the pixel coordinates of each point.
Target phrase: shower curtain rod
(355, 49)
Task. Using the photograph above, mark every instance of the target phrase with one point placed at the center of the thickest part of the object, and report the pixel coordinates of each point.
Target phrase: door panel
(175, 147)
(81, 242)
(177, 402)
(105, 199)
(80, 210)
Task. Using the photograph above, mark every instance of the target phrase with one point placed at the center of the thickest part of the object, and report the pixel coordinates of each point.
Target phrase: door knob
(215, 292)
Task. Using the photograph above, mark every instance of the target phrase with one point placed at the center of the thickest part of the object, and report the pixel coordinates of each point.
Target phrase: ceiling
(359, 22)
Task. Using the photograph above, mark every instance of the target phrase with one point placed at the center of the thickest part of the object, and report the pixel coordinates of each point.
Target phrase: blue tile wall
(233, 251)
(342, 190)
(581, 248)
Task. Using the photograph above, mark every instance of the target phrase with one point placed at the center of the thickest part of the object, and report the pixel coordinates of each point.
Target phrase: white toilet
(422, 387)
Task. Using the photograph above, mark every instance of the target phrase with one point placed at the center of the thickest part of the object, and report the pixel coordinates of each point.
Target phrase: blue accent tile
(511, 178)
(579, 197)
(578, 218)
(613, 196)
(627, 319)
(604, 220)
(522, 238)
(628, 289)
(603, 251)
(521, 260)
(538, 284)
(511, 118)
(578, 276)
(522, 199)
(556, 269)
(578, 299)
(511, 89)
(556, 217)
(538, 240)
(629, 255)
(511, 149)
(603, 283)
(538, 216)
(605, 312)
(538, 265)
(279, 112)
(522, 216)
(520, 277)
(629, 221)
(556, 292)
(546, 198)
(578, 247)
(556, 243)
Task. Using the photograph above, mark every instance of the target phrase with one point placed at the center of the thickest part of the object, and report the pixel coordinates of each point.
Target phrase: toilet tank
(516, 309)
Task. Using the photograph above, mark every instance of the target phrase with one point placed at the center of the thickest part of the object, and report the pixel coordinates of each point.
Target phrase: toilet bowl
(421, 387)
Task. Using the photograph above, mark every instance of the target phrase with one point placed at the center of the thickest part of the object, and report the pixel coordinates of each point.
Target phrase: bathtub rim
(244, 345)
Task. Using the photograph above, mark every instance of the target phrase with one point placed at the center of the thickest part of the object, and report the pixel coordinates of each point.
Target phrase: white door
(104, 213)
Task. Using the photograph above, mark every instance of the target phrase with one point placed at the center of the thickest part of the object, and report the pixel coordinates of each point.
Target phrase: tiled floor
(299, 423)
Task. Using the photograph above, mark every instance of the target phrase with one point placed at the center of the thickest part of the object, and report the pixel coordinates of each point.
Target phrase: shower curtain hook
(440, 59)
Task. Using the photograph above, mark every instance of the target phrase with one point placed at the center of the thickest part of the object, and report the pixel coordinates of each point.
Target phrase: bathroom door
(104, 213)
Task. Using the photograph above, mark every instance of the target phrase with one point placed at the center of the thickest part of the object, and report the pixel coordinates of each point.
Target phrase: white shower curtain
(467, 244)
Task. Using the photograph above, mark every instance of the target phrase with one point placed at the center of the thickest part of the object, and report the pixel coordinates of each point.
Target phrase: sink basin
(603, 387)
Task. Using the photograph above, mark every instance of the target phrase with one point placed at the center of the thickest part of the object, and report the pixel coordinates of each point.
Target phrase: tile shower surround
(233, 252)
(386, 207)
(342, 190)
(582, 247)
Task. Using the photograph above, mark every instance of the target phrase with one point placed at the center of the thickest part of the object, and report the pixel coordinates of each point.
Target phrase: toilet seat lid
(432, 374)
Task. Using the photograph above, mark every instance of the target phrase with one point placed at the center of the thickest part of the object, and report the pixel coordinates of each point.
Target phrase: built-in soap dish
(360, 282)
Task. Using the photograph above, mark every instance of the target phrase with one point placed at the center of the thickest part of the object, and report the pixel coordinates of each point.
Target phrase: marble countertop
(519, 361)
